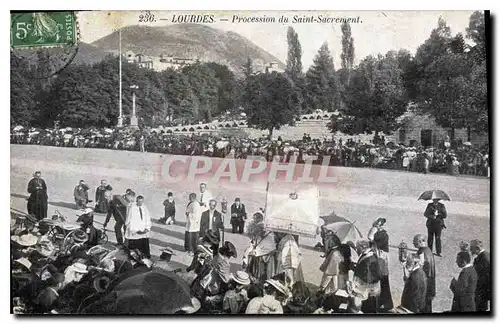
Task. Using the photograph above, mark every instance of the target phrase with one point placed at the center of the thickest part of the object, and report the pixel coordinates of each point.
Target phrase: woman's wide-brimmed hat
(79, 267)
(25, 240)
(24, 262)
(79, 236)
(241, 278)
(45, 247)
(212, 237)
(279, 286)
(203, 249)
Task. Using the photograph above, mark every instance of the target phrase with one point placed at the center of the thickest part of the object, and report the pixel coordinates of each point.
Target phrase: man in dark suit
(366, 280)
(118, 208)
(435, 214)
(464, 289)
(211, 219)
(101, 201)
(38, 200)
(429, 268)
(238, 216)
(483, 270)
(414, 291)
(81, 195)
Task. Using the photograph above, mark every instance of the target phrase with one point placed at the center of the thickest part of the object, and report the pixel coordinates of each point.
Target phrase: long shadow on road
(61, 204)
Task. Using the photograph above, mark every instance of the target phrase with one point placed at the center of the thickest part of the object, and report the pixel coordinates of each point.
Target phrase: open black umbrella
(152, 292)
(434, 194)
(333, 218)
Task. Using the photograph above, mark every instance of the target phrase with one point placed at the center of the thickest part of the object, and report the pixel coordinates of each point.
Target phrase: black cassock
(102, 204)
(37, 202)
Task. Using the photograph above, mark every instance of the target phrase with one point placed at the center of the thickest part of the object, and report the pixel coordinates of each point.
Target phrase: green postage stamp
(43, 29)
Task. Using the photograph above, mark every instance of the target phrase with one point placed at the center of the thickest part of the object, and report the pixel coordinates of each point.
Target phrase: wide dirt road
(361, 195)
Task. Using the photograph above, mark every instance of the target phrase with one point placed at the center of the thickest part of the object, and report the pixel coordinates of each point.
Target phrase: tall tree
(322, 85)
(375, 97)
(294, 58)
(294, 68)
(347, 55)
(270, 101)
(477, 33)
(23, 108)
(448, 76)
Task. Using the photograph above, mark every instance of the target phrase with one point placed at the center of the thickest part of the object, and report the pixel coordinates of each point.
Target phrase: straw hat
(241, 278)
(24, 262)
(195, 306)
(79, 267)
(79, 236)
(25, 240)
(45, 247)
(204, 249)
(84, 211)
(279, 286)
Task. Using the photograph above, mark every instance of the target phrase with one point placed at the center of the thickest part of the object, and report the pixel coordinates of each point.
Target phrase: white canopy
(294, 214)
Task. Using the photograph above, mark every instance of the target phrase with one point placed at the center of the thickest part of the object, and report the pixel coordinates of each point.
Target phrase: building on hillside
(419, 129)
(139, 59)
(169, 61)
(273, 67)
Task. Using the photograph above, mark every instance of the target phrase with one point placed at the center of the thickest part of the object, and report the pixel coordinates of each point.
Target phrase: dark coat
(435, 221)
(81, 193)
(117, 208)
(368, 269)
(101, 203)
(464, 291)
(414, 292)
(205, 221)
(169, 208)
(38, 200)
(240, 212)
(483, 270)
(429, 268)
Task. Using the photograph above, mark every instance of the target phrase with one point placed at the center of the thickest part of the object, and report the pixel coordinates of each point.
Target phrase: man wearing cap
(211, 219)
(193, 217)
(435, 214)
(118, 208)
(429, 268)
(238, 216)
(81, 194)
(38, 200)
(483, 269)
(138, 227)
(101, 200)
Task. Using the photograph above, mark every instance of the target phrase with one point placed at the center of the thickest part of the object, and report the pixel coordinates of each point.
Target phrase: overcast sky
(378, 32)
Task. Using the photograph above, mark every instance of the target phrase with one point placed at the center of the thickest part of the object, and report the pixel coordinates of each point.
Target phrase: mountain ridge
(193, 41)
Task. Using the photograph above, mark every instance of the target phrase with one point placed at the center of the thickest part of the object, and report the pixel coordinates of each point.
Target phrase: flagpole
(120, 112)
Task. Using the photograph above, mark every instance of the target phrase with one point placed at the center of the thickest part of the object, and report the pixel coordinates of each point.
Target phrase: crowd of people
(62, 267)
(452, 158)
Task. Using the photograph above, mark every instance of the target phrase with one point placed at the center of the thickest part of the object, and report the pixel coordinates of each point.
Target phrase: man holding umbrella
(435, 214)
